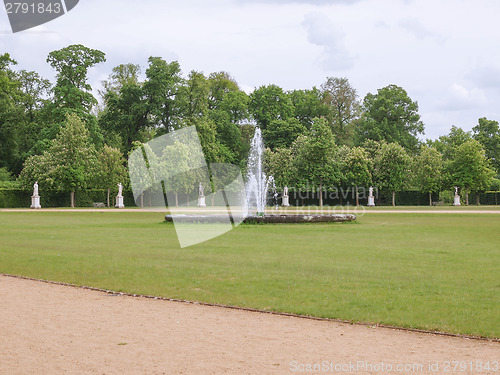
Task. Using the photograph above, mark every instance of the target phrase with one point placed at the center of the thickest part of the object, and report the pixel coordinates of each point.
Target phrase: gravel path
(55, 329)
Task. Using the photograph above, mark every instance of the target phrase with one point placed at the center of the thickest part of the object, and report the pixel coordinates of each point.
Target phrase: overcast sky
(444, 53)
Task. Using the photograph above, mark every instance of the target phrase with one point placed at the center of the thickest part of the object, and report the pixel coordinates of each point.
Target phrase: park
(411, 246)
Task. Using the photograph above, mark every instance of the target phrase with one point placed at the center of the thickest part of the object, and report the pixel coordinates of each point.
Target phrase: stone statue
(120, 189)
(370, 191)
(285, 191)
(456, 190)
(201, 189)
(35, 189)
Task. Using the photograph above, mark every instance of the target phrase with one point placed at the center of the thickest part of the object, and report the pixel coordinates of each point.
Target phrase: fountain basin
(272, 218)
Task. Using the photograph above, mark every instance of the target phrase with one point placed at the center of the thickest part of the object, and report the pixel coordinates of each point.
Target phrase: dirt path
(54, 329)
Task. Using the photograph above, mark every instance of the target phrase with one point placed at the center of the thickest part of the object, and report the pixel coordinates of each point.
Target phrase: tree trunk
(466, 197)
(393, 198)
(430, 198)
(478, 200)
(72, 199)
(108, 195)
(142, 199)
(357, 196)
(321, 192)
(176, 200)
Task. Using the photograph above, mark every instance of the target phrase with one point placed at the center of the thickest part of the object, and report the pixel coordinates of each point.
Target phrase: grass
(435, 272)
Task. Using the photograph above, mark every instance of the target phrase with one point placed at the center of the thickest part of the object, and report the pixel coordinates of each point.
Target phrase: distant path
(302, 211)
(55, 329)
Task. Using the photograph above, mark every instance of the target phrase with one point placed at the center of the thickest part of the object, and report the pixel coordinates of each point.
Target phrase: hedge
(18, 198)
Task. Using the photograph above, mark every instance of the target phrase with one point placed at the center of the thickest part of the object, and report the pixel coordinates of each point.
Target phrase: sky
(444, 53)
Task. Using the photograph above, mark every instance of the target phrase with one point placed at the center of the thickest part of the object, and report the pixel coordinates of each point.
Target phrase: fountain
(258, 185)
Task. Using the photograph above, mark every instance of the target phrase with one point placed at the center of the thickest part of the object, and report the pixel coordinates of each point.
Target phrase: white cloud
(321, 31)
(415, 27)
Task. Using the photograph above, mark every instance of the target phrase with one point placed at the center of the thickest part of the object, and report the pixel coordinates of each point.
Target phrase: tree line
(62, 135)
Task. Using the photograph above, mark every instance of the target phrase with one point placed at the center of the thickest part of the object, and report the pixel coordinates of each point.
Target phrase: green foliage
(282, 133)
(487, 132)
(390, 115)
(280, 164)
(428, 169)
(316, 158)
(70, 162)
(269, 103)
(161, 91)
(470, 169)
(72, 64)
(343, 107)
(391, 168)
(308, 105)
(448, 144)
(357, 167)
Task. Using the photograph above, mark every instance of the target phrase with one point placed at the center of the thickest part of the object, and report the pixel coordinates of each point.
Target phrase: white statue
(285, 191)
(456, 190)
(201, 190)
(35, 189)
(120, 189)
(370, 191)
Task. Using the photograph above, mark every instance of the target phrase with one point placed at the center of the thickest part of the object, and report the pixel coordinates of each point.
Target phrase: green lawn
(436, 272)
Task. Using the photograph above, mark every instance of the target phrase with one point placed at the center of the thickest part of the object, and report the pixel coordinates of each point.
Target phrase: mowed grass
(429, 271)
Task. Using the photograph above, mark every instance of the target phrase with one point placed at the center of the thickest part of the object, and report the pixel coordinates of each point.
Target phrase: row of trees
(315, 160)
(41, 121)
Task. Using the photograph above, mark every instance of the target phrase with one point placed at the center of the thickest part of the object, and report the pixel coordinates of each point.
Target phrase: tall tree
(282, 133)
(111, 169)
(69, 164)
(428, 169)
(126, 115)
(487, 132)
(72, 63)
(357, 169)
(317, 159)
(162, 89)
(391, 168)
(10, 114)
(392, 116)
(470, 169)
(343, 106)
(308, 104)
(269, 103)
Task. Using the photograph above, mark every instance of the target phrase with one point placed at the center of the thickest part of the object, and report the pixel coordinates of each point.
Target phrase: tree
(220, 84)
(72, 64)
(428, 169)
(357, 169)
(161, 90)
(111, 169)
(280, 164)
(487, 132)
(316, 159)
(269, 103)
(69, 164)
(10, 114)
(470, 168)
(308, 105)
(343, 106)
(391, 168)
(392, 116)
(282, 133)
(126, 115)
(448, 144)
(121, 75)
(195, 96)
